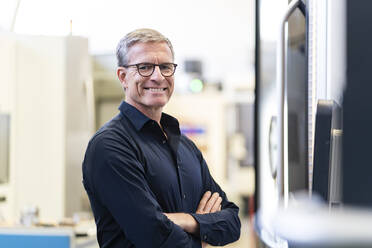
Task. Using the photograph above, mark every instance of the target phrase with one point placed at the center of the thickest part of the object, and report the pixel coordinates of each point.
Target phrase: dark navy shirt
(133, 174)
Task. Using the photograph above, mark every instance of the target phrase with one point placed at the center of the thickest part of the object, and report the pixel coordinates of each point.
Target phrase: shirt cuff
(206, 232)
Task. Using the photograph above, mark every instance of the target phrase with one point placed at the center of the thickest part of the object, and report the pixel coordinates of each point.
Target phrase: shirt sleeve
(222, 227)
(119, 182)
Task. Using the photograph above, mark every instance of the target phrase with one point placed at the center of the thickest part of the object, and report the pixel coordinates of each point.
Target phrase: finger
(203, 201)
(216, 205)
(219, 209)
(211, 202)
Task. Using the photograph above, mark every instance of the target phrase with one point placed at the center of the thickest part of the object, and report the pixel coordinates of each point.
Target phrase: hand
(185, 221)
(209, 203)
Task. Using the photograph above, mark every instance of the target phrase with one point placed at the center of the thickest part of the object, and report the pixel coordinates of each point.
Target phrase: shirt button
(205, 237)
(184, 196)
(164, 141)
(178, 166)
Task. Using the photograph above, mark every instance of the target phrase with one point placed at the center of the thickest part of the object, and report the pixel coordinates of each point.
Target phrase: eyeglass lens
(147, 69)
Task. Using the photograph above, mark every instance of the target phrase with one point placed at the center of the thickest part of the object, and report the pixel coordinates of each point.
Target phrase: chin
(158, 104)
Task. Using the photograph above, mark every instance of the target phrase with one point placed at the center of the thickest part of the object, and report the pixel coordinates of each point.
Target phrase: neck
(154, 115)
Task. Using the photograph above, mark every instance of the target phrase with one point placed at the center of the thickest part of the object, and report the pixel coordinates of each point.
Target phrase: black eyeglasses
(147, 69)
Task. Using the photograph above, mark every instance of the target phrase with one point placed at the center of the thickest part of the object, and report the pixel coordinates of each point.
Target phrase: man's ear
(121, 72)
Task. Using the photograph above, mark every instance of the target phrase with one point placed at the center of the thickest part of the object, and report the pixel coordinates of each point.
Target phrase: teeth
(155, 89)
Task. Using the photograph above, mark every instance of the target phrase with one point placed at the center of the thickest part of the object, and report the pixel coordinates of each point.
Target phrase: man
(149, 185)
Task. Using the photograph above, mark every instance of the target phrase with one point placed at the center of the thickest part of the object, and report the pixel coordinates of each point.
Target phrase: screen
(326, 171)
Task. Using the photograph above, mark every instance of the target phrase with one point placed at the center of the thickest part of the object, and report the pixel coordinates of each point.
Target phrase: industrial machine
(313, 128)
(46, 120)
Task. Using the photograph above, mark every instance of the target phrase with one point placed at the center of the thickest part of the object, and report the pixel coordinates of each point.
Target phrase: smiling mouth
(156, 89)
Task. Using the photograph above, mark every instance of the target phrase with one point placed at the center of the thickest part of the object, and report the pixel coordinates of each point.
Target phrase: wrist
(186, 221)
(191, 225)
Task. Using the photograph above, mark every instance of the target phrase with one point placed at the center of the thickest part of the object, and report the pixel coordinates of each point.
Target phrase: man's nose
(156, 75)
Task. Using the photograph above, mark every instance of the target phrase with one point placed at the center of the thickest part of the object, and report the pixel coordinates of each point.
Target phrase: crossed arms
(118, 181)
(210, 203)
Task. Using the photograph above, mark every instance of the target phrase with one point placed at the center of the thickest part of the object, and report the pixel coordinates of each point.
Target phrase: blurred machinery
(107, 88)
(46, 107)
(320, 140)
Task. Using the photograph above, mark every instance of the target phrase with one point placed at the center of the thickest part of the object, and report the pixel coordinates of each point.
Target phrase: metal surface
(281, 89)
(4, 147)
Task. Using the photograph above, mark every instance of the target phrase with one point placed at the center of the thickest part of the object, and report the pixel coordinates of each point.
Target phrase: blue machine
(36, 238)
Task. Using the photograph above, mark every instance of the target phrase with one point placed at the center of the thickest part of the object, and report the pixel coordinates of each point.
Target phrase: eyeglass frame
(153, 68)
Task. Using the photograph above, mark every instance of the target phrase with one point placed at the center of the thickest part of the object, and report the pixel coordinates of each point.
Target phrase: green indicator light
(196, 85)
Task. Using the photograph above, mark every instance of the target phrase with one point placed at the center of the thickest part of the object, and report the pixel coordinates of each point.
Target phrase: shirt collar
(170, 123)
(135, 116)
(138, 119)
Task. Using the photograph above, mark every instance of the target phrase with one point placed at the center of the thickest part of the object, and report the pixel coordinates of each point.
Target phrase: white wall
(220, 32)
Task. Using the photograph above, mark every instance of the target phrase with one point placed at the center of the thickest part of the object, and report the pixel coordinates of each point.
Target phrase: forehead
(158, 52)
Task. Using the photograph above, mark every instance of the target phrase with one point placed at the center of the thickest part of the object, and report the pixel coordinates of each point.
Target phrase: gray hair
(143, 35)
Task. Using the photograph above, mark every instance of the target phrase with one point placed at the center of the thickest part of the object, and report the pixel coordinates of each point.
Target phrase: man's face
(147, 93)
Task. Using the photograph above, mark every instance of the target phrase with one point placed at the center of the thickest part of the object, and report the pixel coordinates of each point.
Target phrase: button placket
(178, 163)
